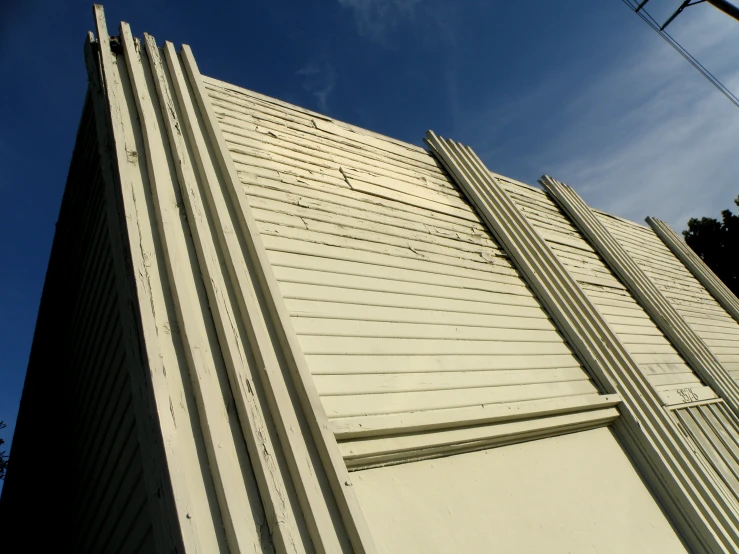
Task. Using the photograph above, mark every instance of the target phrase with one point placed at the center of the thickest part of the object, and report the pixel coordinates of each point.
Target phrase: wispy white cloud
(376, 18)
(667, 144)
(645, 135)
(319, 80)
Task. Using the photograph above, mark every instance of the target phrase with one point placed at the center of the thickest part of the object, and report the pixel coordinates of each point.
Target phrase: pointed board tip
(100, 26)
(125, 29)
(98, 11)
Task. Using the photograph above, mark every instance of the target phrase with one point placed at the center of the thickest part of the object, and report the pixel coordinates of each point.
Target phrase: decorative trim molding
(164, 155)
(195, 330)
(156, 437)
(671, 323)
(715, 429)
(392, 449)
(348, 428)
(250, 268)
(680, 477)
(370, 441)
(696, 266)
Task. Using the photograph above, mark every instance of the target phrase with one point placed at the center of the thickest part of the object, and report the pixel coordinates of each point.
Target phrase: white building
(274, 331)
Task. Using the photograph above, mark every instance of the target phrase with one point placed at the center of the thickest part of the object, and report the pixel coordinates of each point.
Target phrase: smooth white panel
(571, 494)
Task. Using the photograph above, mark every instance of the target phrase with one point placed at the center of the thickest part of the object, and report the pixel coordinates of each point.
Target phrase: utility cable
(649, 20)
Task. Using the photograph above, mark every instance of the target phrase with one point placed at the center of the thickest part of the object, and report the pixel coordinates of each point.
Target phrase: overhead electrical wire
(644, 15)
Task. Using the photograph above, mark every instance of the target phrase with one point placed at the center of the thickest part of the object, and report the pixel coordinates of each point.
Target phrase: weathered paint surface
(715, 430)
(401, 299)
(666, 370)
(212, 323)
(357, 283)
(694, 303)
(573, 494)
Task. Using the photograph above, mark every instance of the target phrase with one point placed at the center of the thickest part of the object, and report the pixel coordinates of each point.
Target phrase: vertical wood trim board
(276, 321)
(210, 311)
(697, 267)
(197, 177)
(691, 493)
(149, 385)
(201, 346)
(715, 429)
(718, 329)
(670, 322)
(663, 366)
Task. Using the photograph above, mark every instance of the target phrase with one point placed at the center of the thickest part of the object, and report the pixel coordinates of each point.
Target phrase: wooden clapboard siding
(94, 482)
(693, 302)
(715, 429)
(401, 299)
(111, 473)
(657, 358)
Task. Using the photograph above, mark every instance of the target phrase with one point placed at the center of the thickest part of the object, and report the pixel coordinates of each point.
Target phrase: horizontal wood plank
(381, 451)
(332, 364)
(377, 383)
(362, 328)
(388, 424)
(367, 404)
(381, 346)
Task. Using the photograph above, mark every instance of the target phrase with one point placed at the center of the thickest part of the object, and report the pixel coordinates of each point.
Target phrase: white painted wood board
(576, 493)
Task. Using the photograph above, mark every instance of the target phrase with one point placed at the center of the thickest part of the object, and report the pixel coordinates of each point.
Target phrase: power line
(649, 20)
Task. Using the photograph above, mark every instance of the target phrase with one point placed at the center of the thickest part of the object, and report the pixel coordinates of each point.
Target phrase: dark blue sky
(578, 89)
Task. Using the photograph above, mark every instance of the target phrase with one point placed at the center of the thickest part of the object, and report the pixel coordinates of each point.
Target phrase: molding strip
(165, 153)
(157, 438)
(348, 428)
(714, 428)
(688, 490)
(662, 312)
(209, 237)
(394, 449)
(250, 267)
(203, 360)
(696, 266)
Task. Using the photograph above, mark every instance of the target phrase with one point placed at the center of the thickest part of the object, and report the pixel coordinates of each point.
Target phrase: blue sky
(581, 90)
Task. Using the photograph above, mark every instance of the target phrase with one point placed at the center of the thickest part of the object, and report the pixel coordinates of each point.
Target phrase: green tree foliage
(3, 456)
(717, 243)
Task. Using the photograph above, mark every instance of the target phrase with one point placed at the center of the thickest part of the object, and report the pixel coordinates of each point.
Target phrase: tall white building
(273, 331)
